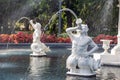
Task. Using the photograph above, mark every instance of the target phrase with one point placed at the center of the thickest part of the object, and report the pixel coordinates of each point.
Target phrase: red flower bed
(4, 38)
(21, 37)
(16, 38)
(106, 37)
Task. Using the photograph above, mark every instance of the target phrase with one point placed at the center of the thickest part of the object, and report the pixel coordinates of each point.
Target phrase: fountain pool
(16, 64)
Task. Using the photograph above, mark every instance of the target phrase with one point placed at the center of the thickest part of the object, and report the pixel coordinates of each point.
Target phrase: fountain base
(112, 60)
(38, 55)
(81, 74)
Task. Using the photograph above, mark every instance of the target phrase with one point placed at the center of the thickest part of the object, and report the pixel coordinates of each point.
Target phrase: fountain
(38, 48)
(114, 57)
(80, 61)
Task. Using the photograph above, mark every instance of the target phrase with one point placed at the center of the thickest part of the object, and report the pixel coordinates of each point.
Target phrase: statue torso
(80, 45)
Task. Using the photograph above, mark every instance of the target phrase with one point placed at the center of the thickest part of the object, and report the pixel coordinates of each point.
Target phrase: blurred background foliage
(91, 11)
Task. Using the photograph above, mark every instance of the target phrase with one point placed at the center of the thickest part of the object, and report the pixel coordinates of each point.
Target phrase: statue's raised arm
(31, 22)
(71, 29)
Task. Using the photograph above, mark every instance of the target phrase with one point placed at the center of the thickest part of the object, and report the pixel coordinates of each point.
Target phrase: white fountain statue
(81, 62)
(38, 48)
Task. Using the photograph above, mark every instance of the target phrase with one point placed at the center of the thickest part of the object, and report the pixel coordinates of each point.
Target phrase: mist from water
(105, 17)
(106, 14)
(26, 9)
(16, 14)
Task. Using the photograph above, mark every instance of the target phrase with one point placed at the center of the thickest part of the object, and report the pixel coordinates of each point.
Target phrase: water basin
(16, 64)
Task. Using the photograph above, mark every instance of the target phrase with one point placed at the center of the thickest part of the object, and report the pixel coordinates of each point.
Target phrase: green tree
(91, 11)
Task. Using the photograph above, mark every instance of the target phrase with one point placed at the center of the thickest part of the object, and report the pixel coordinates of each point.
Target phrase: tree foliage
(89, 10)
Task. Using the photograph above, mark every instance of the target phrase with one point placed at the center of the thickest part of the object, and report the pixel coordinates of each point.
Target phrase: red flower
(4, 38)
(98, 38)
(51, 38)
(28, 38)
(60, 40)
(67, 40)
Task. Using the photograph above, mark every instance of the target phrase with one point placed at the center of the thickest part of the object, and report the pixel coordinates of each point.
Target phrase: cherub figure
(37, 46)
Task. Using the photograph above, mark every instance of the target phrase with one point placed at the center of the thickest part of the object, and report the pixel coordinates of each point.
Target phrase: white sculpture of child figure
(37, 46)
(80, 62)
(37, 31)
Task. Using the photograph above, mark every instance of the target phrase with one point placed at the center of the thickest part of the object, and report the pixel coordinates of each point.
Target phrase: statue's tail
(46, 49)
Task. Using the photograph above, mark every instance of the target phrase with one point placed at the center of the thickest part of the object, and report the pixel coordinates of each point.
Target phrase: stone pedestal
(86, 72)
(39, 49)
(113, 60)
(40, 54)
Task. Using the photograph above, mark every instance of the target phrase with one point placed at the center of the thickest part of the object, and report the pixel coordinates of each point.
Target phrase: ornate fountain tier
(80, 62)
(106, 57)
(113, 58)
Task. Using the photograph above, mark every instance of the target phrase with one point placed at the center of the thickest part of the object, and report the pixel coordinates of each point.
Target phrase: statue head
(84, 29)
(36, 20)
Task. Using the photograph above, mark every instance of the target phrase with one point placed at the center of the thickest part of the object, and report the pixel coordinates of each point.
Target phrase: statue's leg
(94, 65)
(71, 63)
(97, 64)
(91, 63)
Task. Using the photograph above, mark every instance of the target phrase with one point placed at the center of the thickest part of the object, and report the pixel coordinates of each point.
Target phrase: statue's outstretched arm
(31, 22)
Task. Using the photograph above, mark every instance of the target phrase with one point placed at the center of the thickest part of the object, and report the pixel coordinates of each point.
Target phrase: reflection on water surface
(18, 65)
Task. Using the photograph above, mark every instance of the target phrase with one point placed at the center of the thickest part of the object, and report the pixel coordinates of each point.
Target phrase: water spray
(54, 16)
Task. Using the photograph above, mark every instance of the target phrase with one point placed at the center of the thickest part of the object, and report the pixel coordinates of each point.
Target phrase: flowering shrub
(107, 37)
(21, 37)
(53, 39)
(48, 38)
(16, 38)
(4, 38)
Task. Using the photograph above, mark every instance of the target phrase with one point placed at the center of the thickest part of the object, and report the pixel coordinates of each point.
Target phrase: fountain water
(54, 16)
(106, 15)
(22, 19)
(15, 26)
(105, 18)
